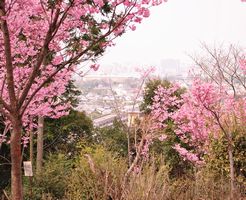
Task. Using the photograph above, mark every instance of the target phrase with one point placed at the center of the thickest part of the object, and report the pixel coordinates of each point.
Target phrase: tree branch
(8, 58)
(41, 56)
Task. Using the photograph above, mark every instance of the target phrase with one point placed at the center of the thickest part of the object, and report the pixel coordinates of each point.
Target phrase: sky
(176, 29)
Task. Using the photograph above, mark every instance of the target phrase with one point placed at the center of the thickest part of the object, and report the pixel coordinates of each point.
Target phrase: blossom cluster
(204, 111)
(46, 40)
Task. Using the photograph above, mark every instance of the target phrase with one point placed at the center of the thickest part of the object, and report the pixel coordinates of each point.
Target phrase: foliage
(217, 159)
(54, 179)
(5, 167)
(62, 134)
(113, 138)
(71, 94)
(178, 167)
(5, 163)
(98, 174)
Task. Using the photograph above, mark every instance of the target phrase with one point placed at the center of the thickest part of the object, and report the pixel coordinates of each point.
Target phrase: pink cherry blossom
(203, 111)
(95, 67)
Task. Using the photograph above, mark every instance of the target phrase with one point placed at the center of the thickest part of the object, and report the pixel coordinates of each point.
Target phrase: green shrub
(52, 182)
(98, 174)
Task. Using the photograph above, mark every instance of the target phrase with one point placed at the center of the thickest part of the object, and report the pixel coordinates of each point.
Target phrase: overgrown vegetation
(97, 174)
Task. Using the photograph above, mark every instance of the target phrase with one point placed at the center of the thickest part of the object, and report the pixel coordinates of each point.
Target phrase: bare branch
(221, 66)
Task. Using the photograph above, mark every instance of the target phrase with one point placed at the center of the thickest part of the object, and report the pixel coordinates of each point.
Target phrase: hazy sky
(177, 28)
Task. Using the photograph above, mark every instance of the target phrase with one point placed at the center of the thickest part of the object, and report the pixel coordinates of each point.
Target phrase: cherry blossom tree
(224, 68)
(42, 41)
(148, 128)
(211, 111)
(205, 111)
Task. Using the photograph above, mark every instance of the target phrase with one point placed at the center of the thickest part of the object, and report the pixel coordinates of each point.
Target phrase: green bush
(52, 182)
(113, 138)
(98, 174)
(217, 161)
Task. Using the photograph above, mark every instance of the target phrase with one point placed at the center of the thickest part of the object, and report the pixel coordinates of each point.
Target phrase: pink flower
(146, 13)
(133, 27)
(95, 67)
(162, 137)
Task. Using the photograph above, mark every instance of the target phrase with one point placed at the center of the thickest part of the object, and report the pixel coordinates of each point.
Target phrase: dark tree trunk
(16, 158)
